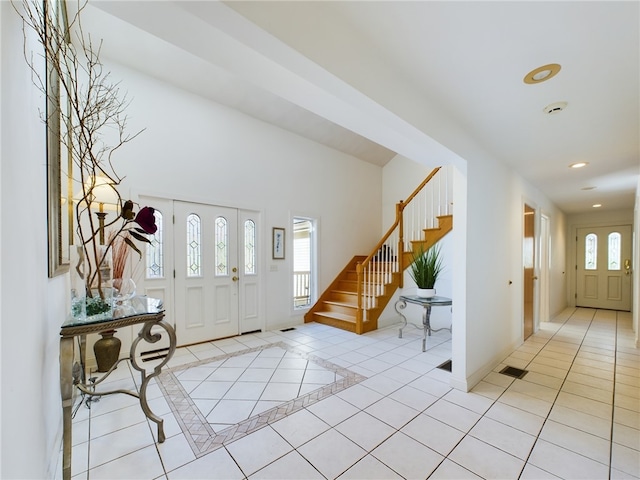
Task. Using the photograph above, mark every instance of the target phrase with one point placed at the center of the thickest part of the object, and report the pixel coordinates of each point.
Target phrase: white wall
(494, 321)
(401, 177)
(32, 306)
(197, 150)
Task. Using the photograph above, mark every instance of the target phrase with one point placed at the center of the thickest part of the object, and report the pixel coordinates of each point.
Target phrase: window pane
(194, 243)
(591, 252)
(155, 257)
(614, 251)
(249, 247)
(222, 241)
(302, 275)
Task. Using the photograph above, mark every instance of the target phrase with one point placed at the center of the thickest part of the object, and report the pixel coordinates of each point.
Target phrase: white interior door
(603, 267)
(206, 272)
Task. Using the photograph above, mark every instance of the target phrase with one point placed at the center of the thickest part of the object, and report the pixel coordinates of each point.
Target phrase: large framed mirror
(59, 161)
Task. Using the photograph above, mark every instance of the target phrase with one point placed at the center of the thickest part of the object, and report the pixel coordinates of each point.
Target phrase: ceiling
(377, 78)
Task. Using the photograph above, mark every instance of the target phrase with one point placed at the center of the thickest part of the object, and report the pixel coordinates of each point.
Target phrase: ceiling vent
(555, 108)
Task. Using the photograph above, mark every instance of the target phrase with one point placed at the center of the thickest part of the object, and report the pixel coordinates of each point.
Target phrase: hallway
(575, 414)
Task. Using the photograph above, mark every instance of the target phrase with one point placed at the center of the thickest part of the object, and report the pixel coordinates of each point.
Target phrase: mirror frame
(59, 184)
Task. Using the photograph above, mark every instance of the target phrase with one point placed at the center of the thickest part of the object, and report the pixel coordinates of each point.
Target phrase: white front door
(603, 267)
(204, 264)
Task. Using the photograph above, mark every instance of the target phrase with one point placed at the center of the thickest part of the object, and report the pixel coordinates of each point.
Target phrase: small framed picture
(278, 243)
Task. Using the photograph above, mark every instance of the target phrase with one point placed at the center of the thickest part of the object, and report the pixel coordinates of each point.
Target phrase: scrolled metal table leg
(426, 324)
(146, 335)
(425, 318)
(66, 391)
(401, 305)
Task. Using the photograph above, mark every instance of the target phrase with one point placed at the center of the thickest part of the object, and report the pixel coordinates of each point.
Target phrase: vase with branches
(90, 110)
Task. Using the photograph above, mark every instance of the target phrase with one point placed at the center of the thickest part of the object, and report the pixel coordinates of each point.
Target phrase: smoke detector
(554, 108)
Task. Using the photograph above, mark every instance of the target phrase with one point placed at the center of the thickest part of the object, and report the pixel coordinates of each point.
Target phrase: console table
(426, 303)
(144, 311)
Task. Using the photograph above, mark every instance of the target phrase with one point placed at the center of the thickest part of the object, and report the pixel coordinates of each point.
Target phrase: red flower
(147, 220)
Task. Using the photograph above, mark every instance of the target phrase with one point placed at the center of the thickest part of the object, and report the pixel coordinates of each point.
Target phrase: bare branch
(94, 110)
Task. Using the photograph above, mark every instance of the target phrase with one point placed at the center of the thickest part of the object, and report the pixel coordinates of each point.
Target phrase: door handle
(235, 279)
(627, 267)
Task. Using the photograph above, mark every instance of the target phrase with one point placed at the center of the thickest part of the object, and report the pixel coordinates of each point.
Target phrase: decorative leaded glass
(222, 244)
(249, 247)
(194, 242)
(614, 251)
(591, 252)
(155, 256)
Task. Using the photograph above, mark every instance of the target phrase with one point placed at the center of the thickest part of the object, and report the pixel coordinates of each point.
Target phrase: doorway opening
(304, 276)
(529, 262)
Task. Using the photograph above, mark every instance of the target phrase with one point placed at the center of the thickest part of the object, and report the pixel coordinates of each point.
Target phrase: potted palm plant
(425, 269)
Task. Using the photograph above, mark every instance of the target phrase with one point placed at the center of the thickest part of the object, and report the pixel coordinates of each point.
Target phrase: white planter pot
(426, 292)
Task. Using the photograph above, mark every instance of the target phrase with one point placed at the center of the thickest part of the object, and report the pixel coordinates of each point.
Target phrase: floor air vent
(287, 329)
(445, 366)
(514, 372)
(154, 354)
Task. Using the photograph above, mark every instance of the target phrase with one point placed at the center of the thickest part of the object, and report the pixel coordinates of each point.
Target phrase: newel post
(359, 291)
(399, 219)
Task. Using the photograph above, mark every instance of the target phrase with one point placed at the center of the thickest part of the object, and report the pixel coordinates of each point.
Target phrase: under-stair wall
(357, 296)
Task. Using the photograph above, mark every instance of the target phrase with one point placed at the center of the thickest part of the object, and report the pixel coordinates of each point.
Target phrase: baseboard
(475, 378)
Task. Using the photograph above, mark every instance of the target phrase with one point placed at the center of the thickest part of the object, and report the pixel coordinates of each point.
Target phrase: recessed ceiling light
(556, 107)
(588, 188)
(579, 165)
(597, 205)
(542, 74)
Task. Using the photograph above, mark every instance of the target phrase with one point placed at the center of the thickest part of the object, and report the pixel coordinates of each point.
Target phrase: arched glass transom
(222, 246)
(249, 247)
(613, 251)
(154, 254)
(194, 244)
(591, 252)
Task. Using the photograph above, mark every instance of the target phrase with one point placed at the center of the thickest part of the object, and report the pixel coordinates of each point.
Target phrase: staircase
(359, 294)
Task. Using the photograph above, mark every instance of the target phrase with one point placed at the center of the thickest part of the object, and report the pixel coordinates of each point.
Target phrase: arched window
(249, 247)
(194, 243)
(155, 256)
(591, 252)
(222, 244)
(613, 251)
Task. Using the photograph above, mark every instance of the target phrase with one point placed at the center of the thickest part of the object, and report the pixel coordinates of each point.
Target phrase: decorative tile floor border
(203, 439)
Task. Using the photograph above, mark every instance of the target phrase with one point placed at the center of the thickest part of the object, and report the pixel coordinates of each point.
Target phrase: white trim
(477, 376)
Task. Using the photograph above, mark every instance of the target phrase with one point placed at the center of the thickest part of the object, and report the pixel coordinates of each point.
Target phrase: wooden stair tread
(339, 316)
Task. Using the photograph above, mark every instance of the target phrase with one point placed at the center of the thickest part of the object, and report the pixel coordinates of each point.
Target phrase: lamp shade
(102, 193)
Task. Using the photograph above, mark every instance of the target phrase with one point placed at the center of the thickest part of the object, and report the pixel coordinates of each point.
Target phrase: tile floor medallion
(267, 382)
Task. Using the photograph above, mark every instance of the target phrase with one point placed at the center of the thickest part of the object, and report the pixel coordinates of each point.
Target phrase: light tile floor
(375, 407)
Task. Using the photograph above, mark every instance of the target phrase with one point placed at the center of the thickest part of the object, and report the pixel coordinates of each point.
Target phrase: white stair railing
(432, 198)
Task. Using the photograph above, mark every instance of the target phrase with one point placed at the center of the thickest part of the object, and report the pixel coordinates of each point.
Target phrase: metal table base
(426, 303)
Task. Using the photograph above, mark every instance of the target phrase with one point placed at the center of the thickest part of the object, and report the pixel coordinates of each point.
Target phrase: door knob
(627, 267)
(235, 279)
(535, 277)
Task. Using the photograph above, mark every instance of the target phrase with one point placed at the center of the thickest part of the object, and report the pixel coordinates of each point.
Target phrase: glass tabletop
(138, 305)
(426, 300)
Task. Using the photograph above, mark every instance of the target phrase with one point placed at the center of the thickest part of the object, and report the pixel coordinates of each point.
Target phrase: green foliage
(426, 267)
